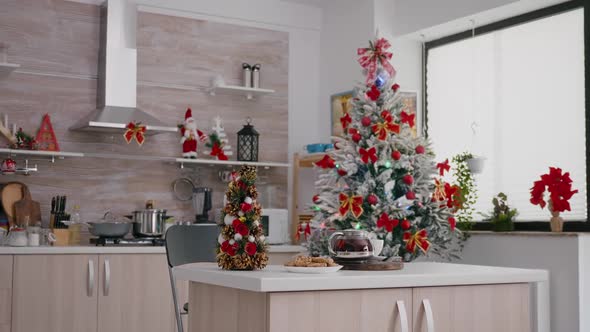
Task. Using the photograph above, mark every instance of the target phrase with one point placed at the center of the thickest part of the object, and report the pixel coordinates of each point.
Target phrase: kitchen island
(421, 297)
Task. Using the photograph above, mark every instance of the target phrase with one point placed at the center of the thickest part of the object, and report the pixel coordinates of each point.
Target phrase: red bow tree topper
(373, 55)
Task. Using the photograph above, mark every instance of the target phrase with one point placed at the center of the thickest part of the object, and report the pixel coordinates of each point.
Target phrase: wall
(56, 42)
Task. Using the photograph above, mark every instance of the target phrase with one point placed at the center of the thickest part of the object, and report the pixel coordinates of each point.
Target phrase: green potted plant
(502, 218)
(463, 177)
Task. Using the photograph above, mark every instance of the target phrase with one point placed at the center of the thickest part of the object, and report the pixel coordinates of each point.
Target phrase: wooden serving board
(373, 265)
(12, 192)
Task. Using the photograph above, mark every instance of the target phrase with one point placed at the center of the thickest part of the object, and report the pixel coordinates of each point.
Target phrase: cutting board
(12, 192)
(27, 207)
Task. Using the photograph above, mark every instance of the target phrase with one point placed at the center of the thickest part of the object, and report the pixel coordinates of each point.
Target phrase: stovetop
(121, 242)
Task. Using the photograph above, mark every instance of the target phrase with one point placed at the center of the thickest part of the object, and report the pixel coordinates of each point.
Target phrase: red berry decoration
(246, 207)
(420, 149)
(372, 199)
(356, 137)
(408, 179)
(251, 248)
(366, 121)
(410, 195)
(406, 225)
(395, 87)
(396, 155)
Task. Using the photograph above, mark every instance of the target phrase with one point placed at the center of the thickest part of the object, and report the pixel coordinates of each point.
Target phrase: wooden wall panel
(62, 41)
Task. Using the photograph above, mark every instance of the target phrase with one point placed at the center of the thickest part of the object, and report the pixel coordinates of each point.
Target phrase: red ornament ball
(408, 179)
(246, 207)
(241, 229)
(366, 121)
(251, 248)
(316, 199)
(342, 172)
(396, 155)
(356, 137)
(372, 199)
(410, 195)
(395, 87)
(406, 224)
(420, 149)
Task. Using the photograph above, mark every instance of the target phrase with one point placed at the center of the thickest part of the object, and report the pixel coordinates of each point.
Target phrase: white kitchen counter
(275, 279)
(116, 250)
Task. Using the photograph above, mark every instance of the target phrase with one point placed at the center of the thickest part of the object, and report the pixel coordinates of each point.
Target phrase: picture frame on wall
(411, 101)
(339, 106)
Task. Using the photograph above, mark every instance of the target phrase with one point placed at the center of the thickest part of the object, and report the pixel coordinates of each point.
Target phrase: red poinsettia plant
(560, 190)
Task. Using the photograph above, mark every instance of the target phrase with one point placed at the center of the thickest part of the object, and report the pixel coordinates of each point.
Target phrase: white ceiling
(314, 3)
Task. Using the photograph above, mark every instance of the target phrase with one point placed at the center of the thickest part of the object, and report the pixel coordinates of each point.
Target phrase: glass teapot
(350, 244)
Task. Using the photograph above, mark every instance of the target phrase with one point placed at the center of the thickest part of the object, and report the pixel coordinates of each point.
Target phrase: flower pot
(503, 226)
(475, 164)
(556, 222)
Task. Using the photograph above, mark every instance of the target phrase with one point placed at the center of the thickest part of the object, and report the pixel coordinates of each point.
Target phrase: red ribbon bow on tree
(326, 162)
(369, 154)
(408, 118)
(217, 151)
(375, 54)
(381, 129)
(345, 121)
(135, 130)
(418, 239)
(354, 204)
(388, 223)
(443, 167)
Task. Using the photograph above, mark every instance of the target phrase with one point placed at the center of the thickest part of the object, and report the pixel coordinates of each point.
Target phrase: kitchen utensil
(62, 237)
(350, 244)
(47, 237)
(12, 192)
(34, 236)
(148, 223)
(27, 207)
(313, 270)
(109, 226)
(183, 189)
(202, 197)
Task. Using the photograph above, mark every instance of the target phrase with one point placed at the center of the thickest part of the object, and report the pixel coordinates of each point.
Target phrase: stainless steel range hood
(117, 75)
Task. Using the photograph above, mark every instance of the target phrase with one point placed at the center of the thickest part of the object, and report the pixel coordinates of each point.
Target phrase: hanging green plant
(468, 191)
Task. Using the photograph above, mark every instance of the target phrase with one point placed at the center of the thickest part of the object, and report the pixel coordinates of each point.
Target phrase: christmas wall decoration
(46, 136)
(190, 134)
(381, 177)
(135, 131)
(218, 142)
(25, 141)
(241, 243)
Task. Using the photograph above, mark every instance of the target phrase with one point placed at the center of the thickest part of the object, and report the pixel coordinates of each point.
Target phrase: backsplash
(56, 44)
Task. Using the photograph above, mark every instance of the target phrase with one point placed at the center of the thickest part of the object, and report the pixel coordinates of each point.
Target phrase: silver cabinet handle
(107, 277)
(403, 316)
(90, 290)
(429, 315)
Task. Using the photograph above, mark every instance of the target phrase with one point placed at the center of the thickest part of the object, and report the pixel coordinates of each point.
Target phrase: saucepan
(110, 226)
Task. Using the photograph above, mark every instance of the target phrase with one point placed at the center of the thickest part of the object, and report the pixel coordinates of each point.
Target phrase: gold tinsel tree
(241, 244)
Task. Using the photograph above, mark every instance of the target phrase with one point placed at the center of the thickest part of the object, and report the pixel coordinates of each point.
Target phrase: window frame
(572, 226)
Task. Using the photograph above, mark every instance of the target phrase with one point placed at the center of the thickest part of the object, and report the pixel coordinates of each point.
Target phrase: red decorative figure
(190, 134)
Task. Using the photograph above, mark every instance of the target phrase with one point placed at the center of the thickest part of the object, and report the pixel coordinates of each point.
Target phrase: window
(515, 95)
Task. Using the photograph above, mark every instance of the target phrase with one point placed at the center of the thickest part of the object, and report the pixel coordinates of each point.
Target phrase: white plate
(313, 270)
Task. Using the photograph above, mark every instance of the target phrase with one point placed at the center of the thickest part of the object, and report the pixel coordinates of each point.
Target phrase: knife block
(62, 237)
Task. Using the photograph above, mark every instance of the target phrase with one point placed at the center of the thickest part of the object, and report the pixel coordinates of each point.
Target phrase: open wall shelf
(7, 68)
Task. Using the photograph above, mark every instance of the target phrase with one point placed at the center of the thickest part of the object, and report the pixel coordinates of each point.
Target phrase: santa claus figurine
(190, 134)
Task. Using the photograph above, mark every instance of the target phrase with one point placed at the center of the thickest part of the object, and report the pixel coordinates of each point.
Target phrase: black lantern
(248, 143)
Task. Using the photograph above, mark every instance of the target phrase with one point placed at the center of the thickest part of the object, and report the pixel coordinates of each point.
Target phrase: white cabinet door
(134, 294)
(482, 308)
(54, 293)
(5, 292)
(373, 310)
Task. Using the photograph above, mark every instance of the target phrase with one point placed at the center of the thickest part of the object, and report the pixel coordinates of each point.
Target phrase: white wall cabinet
(89, 293)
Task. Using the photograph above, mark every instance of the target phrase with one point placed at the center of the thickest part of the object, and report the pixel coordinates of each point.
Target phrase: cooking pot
(350, 244)
(149, 223)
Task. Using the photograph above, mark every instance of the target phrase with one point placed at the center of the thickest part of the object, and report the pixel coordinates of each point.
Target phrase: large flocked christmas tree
(383, 178)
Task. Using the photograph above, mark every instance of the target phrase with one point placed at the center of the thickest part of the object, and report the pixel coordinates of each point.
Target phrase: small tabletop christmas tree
(241, 244)
(381, 177)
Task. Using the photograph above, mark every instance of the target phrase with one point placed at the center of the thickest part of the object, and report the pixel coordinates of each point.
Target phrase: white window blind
(523, 88)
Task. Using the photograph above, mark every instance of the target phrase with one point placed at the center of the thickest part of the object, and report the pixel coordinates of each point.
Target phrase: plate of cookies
(314, 265)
